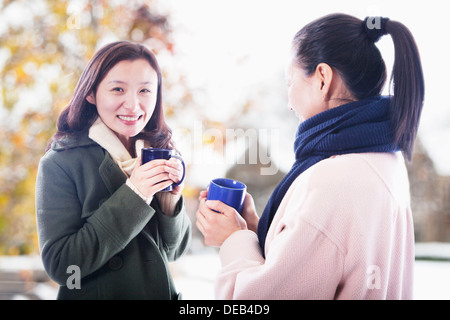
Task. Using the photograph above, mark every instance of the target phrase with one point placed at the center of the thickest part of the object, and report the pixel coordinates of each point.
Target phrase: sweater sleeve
(302, 260)
(310, 269)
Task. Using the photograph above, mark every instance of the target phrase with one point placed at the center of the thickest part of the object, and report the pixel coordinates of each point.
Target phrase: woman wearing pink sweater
(339, 225)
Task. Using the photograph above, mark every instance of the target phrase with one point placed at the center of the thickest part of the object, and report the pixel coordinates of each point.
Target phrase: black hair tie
(375, 27)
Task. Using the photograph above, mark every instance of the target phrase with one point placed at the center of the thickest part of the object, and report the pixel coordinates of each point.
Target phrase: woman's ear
(91, 98)
(324, 75)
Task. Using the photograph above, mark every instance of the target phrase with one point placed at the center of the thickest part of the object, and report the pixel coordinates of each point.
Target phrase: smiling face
(126, 97)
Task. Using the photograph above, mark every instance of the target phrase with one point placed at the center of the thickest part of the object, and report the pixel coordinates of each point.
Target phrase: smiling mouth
(129, 118)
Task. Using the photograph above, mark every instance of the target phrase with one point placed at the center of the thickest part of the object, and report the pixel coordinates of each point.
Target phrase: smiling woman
(99, 209)
(109, 71)
(126, 105)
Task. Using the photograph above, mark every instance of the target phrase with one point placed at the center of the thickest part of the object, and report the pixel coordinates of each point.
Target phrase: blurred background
(225, 99)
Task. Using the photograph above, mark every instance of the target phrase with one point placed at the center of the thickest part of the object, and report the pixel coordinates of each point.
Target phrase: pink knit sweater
(344, 230)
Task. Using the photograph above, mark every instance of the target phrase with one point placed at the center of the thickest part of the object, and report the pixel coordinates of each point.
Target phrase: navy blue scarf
(361, 126)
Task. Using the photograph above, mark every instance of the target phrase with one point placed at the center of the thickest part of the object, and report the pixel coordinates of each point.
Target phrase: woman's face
(303, 95)
(126, 97)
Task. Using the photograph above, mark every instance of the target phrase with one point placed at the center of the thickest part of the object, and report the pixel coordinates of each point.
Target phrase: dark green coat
(89, 218)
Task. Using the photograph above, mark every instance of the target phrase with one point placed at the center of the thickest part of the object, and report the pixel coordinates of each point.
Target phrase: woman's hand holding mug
(151, 177)
(217, 221)
(175, 169)
(158, 170)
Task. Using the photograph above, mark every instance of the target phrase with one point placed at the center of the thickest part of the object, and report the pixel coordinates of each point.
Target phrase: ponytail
(409, 88)
(347, 44)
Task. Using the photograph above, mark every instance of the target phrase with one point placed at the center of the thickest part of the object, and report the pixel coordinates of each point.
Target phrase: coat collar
(70, 142)
(111, 174)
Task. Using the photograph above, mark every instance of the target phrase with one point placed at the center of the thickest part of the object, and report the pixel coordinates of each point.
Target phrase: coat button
(115, 263)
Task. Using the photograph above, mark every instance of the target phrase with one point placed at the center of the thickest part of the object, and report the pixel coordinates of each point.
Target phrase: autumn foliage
(45, 45)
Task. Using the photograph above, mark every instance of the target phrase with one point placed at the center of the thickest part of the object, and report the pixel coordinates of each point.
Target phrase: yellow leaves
(17, 140)
(59, 8)
(20, 150)
(59, 36)
(17, 217)
(21, 76)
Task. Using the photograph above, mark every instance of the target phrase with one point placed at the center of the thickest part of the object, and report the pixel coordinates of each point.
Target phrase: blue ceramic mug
(229, 191)
(149, 154)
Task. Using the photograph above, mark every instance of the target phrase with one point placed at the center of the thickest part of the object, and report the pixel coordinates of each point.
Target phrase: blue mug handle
(184, 170)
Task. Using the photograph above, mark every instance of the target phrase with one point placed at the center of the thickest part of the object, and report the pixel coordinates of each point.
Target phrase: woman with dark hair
(339, 225)
(105, 231)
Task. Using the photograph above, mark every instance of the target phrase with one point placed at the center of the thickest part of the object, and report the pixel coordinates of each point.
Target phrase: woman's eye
(145, 91)
(117, 89)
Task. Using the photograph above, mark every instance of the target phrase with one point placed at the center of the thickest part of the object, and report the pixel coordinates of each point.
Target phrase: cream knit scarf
(107, 139)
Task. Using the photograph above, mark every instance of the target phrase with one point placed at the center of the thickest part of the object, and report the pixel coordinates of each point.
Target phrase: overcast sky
(233, 49)
(243, 43)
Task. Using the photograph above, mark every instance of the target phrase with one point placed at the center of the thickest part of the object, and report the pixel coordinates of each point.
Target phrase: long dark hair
(342, 42)
(79, 114)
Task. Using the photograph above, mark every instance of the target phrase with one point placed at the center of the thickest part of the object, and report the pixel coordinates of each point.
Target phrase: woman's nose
(131, 102)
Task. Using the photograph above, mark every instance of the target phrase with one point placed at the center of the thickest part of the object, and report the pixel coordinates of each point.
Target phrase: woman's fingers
(175, 169)
(220, 207)
(157, 183)
(162, 185)
(159, 178)
(217, 221)
(203, 195)
(153, 164)
(151, 177)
